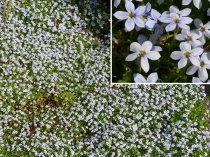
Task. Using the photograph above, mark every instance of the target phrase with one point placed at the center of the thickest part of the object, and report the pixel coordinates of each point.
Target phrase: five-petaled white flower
(175, 18)
(186, 54)
(145, 52)
(152, 78)
(191, 37)
(204, 30)
(132, 16)
(201, 68)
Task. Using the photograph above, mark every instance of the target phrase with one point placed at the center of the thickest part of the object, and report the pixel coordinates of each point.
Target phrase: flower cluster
(175, 23)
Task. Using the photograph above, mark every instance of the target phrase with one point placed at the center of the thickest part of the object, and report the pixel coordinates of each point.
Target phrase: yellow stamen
(186, 54)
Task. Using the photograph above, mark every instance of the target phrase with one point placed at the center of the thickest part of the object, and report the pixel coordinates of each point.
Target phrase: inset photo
(160, 41)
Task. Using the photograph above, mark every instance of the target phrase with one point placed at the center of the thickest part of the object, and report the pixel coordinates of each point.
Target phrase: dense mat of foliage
(56, 100)
(160, 41)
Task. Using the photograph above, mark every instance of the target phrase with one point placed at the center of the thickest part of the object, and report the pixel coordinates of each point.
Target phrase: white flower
(186, 54)
(175, 18)
(152, 78)
(201, 68)
(190, 37)
(204, 30)
(144, 52)
(132, 16)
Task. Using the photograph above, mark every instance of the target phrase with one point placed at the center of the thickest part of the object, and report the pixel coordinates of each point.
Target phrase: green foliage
(67, 97)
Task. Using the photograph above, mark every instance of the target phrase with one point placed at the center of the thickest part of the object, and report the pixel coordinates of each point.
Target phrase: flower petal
(151, 24)
(153, 38)
(207, 25)
(207, 33)
(116, 3)
(145, 64)
(170, 27)
(160, 1)
(155, 14)
(186, 20)
(129, 24)
(153, 55)
(198, 23)
(197, 51)
(129, 6)
(121, 15)
(182, 62)
(202, 39)
(174, 15)
(191, 70)
(183, 26)
(147, 45)
(180, 37)
(135, 47)
(197, 3)
(173, 9)
(165, 18)
(207, 66)
(140, 10)
(138, 78)
(196, 43)
(185, 12)
(142, 38)
(208, 55)
(157, 48)
(203, 74)
(176, 55)
(185, 46)
(208, 12)
(196, 80)
(205, 57)
(152, 78)
(139, 22)
(148, 7)
(196, 34)
(186, 2)
(194, 60)
(131, 57)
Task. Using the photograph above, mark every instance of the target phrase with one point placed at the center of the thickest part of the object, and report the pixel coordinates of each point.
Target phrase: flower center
(202, 64)
(143, 18)
(143, 52)
(189, 38)
(176, 20)
(186, 54)
(130, 15)
(203, 29)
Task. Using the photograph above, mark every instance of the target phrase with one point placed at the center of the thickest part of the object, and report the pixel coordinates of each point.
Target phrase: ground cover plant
(160, 41)
(56, 98)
